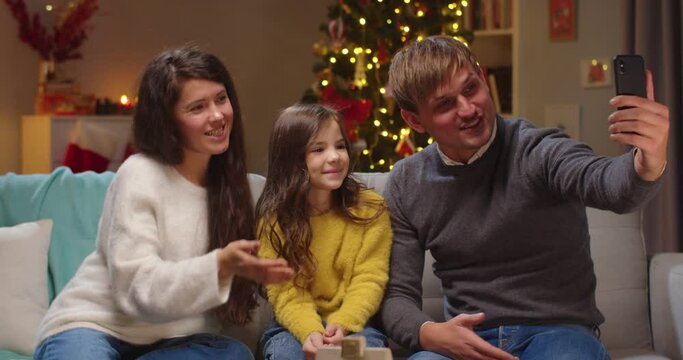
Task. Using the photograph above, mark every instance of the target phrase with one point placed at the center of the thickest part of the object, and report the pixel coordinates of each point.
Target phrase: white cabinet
(44, 138)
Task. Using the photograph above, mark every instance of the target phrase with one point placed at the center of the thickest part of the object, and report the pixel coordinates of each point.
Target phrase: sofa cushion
(23, 272)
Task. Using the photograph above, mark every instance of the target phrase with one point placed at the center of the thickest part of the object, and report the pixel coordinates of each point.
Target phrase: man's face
(459, 115)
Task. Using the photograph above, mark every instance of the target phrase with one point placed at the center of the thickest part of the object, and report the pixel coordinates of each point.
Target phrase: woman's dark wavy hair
(284, 201)
(157, 135)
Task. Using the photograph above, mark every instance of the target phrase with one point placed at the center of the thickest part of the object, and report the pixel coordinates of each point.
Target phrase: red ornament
(383, 55)
(336, 29)
(405, 146)
(355, 112)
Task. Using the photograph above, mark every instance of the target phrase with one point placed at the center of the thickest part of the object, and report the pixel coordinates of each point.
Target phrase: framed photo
(562, 20)
(595, 73)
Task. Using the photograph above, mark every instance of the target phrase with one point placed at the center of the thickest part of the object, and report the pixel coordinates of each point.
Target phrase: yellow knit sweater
(352, 271)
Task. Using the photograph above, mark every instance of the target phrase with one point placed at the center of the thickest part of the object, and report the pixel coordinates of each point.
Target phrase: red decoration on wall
(562, 20)
(66, 37)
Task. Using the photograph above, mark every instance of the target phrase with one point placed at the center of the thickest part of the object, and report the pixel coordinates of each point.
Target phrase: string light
(383, 110)
(369, 66)
(452, 6)
(381, 161)
(333, 59)
(464, 3)
(430, 141)
(388, 21)
(366, 152)
(362, 21)
(352, 60)
(49, 7)
(376, 123)
(368, 51)
(324, 83)
(385, 133)
(406, 28)
(395, 137)
(420, 13)
(375, 60)
(358, 50)
(345, 51)
(382, 91)
(397, 11)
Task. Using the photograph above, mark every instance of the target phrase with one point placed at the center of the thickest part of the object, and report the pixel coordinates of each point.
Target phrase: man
(501, 206)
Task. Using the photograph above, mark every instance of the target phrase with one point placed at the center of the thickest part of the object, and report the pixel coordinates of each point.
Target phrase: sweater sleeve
(146, 285)
(572, 170)
(370, 275)
(294, 308)
(401, 311)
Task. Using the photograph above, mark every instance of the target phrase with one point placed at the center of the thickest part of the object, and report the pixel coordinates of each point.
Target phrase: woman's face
(204, 114)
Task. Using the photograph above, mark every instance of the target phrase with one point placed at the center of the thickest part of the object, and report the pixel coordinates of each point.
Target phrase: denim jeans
(84, 343)
(542, 342)
(279, 344)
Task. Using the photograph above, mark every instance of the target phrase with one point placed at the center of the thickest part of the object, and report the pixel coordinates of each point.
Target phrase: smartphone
(629, 75)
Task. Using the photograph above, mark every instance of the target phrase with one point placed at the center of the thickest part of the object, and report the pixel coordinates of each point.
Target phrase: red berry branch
(67, 36)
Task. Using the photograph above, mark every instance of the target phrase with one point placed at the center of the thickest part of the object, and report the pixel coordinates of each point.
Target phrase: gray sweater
(508, 232)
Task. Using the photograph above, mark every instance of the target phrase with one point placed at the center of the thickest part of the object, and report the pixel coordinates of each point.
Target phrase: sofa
(635, 295)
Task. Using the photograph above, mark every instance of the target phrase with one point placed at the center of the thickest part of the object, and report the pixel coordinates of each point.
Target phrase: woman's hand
(313, 342)
(238, 258)
(334, 334)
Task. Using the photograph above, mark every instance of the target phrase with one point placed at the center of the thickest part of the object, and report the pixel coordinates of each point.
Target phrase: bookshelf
(496, 45)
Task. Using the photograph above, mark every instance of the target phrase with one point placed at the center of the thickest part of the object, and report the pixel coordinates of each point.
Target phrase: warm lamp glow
(124, 100)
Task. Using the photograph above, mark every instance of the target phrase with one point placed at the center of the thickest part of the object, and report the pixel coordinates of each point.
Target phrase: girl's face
(204, 114)
(327, 159)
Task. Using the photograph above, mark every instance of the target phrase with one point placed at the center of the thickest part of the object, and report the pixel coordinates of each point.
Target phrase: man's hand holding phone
(639, 121)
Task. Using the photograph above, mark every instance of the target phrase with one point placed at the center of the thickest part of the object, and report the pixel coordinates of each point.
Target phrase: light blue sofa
(637, 306)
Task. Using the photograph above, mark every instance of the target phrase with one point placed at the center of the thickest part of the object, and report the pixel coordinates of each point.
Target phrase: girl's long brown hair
(284, 201)
(157, 135)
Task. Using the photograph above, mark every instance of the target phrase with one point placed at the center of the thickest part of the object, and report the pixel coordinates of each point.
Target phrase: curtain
(653, 30)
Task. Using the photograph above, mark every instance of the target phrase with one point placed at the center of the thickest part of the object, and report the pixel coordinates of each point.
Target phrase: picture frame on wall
(562, 20)
(595, 73)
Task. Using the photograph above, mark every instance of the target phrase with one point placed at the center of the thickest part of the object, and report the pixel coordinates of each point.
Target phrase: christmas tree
(360, 38)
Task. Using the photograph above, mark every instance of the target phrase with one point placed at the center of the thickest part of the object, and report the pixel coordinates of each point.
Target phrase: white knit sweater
(150, 277)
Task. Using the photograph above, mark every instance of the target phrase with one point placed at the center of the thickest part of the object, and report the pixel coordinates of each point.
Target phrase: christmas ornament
(355, 112)
(336, 29)
(405, 146)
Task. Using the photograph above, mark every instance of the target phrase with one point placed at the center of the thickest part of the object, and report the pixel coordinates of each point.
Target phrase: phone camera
(622, 67)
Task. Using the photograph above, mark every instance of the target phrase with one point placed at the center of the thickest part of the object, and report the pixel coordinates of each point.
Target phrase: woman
(169, 266)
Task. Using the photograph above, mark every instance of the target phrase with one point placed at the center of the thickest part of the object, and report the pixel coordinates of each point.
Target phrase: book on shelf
(499, 80)
(488, 14)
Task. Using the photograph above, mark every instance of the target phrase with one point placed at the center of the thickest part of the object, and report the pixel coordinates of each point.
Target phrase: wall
(265, 44)
(267, 47)
(549, 71)
(18, 77)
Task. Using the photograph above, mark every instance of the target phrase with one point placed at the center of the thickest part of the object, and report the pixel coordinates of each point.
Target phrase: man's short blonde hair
(417, 70)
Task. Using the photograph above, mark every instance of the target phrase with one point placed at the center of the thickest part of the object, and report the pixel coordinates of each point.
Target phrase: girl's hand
(333, 334)
(238, 258)
(311, 345)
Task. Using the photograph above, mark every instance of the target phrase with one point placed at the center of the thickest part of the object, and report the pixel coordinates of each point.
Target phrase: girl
(168, 256)
(333, 231)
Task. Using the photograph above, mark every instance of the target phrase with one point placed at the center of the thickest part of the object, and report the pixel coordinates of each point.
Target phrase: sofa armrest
(666, 303)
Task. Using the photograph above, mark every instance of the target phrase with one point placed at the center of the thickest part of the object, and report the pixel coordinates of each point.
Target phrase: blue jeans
(84, 343)
(531, 342)
(279, 344)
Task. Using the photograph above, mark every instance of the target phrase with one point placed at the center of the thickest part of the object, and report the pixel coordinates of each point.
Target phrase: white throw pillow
(23, 283)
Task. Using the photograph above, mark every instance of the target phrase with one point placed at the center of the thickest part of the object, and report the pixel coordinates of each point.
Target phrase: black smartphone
(629, 75)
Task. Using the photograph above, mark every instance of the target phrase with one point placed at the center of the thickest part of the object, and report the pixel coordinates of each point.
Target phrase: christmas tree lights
(352, 71)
